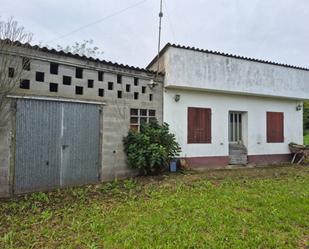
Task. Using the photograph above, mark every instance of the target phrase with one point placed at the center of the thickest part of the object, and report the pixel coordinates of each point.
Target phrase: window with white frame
(141, 116)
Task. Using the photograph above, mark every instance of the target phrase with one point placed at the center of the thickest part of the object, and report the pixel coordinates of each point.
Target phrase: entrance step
(238, 154)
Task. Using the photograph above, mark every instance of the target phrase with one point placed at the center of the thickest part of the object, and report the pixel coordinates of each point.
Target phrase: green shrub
(151, 149)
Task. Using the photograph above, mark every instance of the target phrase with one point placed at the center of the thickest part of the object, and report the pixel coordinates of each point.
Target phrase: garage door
(57, 144)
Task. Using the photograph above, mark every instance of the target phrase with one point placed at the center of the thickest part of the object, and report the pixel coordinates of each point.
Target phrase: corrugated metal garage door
(57, 144)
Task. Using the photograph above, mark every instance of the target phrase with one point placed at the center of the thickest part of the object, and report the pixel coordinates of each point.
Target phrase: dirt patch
(304, 242)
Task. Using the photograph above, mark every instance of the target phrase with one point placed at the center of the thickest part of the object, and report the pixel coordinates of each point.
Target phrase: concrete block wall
(115, 110)
(116, 123)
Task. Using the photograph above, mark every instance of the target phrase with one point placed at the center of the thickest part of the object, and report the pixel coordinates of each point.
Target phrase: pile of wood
(300, 152)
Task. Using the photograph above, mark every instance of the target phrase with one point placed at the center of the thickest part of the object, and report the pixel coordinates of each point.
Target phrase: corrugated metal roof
(168, 45)
(77, 56)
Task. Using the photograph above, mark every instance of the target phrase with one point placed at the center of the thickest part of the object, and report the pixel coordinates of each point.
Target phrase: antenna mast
(159, 40)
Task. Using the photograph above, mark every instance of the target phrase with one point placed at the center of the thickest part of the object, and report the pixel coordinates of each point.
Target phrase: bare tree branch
(11, 68)
(82, 48)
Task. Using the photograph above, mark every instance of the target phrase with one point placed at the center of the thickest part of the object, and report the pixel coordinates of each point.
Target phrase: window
(90, 83)
(110, 86)
(53, 68)
(79, 73)
(53, 87)
(140, 116)
(143, 89)
(11, 72)
(101, 92)
(119, 78)
(152, 112)
(135, 81)
(275, 127)
(100, 76)
(235, 127)
(39, 76)
(136, 95)
(24, 84)
(79, 90)
(143, 112)
(150, 97)
(128, 88)
(26, 63)
(66, 80)
(119, 94)
(199, 125)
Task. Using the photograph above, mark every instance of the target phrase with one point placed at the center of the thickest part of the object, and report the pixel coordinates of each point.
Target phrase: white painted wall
(185, 68)
(175, 114)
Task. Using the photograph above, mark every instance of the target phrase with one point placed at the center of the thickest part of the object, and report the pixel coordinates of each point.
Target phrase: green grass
(306, 139)
(246, 208)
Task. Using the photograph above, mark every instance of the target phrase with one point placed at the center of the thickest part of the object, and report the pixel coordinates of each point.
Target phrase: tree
(84, 48)
(11, 69)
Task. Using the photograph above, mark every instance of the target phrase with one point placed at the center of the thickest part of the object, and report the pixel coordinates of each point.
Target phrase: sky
(127, 30)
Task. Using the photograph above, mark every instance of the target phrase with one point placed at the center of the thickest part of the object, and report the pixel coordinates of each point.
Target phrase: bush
(151, 149)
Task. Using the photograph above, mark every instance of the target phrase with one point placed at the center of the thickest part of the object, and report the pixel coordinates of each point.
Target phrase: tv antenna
(152, 82)
(159, 39)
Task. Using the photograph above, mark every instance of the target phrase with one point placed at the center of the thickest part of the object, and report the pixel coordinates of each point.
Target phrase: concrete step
(238, 154)
(238, 161)
(240, 157)
(235, 145)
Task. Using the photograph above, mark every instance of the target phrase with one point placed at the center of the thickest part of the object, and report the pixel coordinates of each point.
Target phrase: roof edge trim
(168, 45)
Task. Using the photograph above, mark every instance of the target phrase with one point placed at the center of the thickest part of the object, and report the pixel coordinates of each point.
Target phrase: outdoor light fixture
(152, 84)
(299, 107)
(177, 97)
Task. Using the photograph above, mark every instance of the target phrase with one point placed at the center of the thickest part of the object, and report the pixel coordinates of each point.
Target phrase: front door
(235, 127)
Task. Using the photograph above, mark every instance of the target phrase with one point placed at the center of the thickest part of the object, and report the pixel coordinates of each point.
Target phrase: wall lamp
(177, 97)
(152, 84)
(299, 107)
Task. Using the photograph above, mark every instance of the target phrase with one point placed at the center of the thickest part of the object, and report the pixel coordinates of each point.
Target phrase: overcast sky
(276, 30)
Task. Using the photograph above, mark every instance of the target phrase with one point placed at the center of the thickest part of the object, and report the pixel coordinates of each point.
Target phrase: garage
(57, 144)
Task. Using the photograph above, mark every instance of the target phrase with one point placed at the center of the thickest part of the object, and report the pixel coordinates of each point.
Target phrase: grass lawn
(245, 208)
(306, 139)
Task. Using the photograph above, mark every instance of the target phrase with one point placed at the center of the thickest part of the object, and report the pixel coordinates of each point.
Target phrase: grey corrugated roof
(168, 45)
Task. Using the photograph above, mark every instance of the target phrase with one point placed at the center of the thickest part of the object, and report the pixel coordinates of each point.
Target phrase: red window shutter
(191, 124)
(208, 126)
(199, 125)
(275, 127)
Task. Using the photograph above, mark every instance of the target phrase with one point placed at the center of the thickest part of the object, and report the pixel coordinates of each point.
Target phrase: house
(69, 114)
(226, 109)
(68, 118)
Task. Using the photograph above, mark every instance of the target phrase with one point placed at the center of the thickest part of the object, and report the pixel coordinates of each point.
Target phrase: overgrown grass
(255, 208)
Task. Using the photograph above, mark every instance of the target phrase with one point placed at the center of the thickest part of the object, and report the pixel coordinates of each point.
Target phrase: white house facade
(226, 109)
